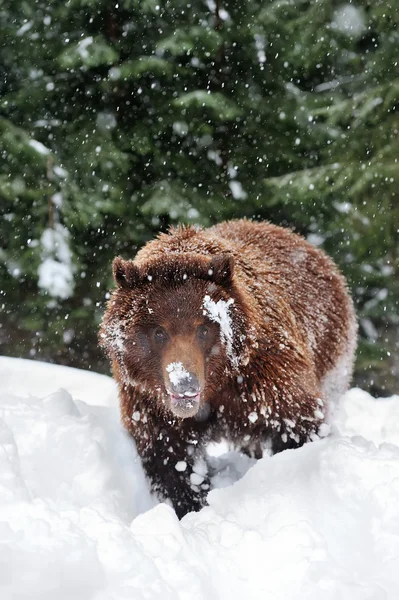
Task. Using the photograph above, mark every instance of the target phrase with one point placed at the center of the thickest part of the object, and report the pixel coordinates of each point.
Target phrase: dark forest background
(120, 118)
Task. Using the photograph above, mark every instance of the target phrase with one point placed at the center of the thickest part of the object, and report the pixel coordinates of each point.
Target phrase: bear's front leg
(170, 468)
(171, 451)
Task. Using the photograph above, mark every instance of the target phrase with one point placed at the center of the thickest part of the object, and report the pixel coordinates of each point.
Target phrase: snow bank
(318, 522)
(26, 378)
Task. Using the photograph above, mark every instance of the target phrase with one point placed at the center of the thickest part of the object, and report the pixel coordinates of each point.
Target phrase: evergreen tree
(118, 119)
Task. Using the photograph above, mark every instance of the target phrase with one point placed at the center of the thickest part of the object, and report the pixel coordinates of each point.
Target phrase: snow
(56, 269)
(177, 373)
(260, 47)
(39, 147)
(57, 199)
(237, 190)
(24, 28)
(26, 378)
(343, 207)
(56, 240)
(115, 337)
(369, 328)
(219, 313)
(77, 520)
(106, 121)
(56, 278)
(315, 239)
(180, 127)
(60, 172)
(82, 47)
(349, 20)
(181, 465)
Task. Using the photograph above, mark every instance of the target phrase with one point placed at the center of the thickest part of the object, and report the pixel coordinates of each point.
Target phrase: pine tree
(119, 119)
(351, 104)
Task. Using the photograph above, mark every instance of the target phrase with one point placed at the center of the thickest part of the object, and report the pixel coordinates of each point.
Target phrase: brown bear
(243, 331)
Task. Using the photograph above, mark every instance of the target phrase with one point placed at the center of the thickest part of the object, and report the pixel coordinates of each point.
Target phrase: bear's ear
(222, 266)
(125, 272)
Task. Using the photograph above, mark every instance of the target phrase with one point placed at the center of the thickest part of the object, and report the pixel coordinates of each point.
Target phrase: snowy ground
(321, 522)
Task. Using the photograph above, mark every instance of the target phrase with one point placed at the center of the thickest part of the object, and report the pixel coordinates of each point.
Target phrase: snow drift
(77, 520)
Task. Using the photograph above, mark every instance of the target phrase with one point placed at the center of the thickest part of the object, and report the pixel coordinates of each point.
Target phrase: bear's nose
(186, 386)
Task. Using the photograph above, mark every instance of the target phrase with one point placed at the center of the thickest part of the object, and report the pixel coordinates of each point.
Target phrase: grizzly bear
(243, 331)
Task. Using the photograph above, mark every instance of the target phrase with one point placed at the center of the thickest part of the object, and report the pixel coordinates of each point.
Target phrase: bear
(243, 331)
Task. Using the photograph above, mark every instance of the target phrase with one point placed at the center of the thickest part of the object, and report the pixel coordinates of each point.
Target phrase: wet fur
(294, 324)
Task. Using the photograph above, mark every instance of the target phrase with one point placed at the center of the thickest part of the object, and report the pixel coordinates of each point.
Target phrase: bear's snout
(184, 390)
(186, 386)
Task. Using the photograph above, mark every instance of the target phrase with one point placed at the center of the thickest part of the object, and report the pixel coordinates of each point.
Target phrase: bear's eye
(160, 334)
(203, 332)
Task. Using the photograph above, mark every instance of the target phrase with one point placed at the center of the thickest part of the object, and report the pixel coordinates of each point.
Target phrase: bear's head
(176, 328)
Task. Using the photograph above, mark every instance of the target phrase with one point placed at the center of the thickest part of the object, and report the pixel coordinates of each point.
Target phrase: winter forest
(118, 119)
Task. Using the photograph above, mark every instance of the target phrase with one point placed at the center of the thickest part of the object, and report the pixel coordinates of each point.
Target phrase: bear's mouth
(185, 405)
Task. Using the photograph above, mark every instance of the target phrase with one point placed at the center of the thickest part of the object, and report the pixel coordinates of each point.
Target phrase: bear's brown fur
(242, 331)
